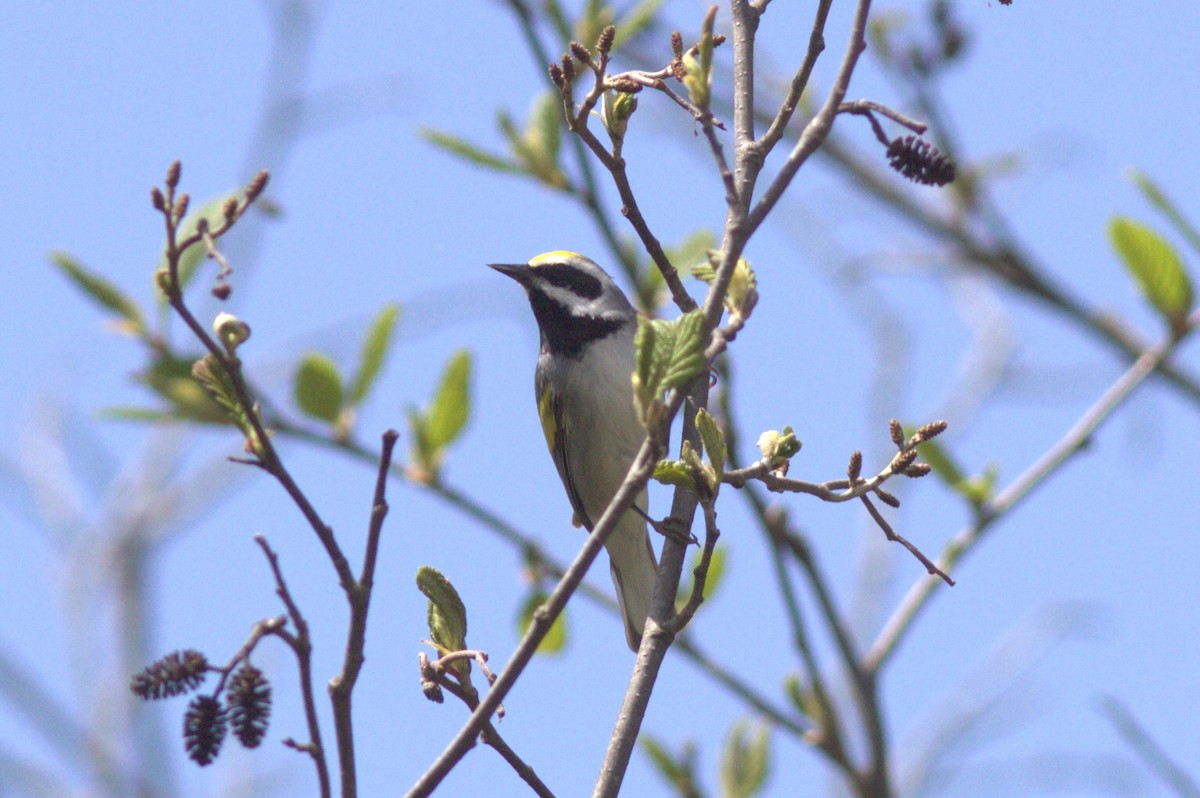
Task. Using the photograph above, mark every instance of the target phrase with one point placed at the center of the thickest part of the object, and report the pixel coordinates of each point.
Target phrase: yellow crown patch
(555, 256)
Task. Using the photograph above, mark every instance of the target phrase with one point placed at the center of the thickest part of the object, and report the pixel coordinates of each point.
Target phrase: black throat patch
(564, 334)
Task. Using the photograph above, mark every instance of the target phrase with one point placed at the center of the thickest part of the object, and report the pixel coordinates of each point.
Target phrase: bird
(584, 391)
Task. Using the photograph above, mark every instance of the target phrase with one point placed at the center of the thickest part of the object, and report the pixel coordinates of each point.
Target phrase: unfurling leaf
(746, 760)
(698, 63)
(217, 383)
(1156, 267)
(171, 378)
(439, 426)
(714, 444)
(318, 387)
(447, 616)
(777, 447)
(103, 291)
(374, 353)
(687, 354)
(469, 152)
(675, 472)
(679, 770)
(669, 355)
(452, 404)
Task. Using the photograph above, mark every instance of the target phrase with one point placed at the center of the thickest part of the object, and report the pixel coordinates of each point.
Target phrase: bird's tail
(634, 571)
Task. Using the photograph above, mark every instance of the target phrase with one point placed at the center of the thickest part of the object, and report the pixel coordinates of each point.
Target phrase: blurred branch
(1150, 752)
(1006, 500)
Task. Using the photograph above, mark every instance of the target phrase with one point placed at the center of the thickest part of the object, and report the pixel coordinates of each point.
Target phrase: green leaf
(171, 378)
(469, 152)
(1156, 267)
(374, 353)
(714, 444)
(150, 415)
(536, 148)
(716, 570)
(669, 355)
(660, 757)
(687, 354)
(451, 404)
(318, 387)
(675, 472)
(653, 349)
(447, 615)
(746, 760)
(1166, 207)
(219, 386)
(804, 699)
(556, 639)
(942, 463)
(101, 290)
(978, 490)
(546, 124)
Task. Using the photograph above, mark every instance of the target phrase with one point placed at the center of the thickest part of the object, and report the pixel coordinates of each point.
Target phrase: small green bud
(618, 107)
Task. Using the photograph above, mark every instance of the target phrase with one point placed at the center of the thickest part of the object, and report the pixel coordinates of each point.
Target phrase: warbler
(585, 401)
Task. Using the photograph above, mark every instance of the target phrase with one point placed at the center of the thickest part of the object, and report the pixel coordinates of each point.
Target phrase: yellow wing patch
(546, 414)
(553, 257)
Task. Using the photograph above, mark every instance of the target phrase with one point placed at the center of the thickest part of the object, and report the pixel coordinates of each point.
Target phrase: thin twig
(301, 644)
(341, 686)
(1042, 469)
(896, 537)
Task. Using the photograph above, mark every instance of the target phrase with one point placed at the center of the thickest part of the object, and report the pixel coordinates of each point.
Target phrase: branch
(1046, 466)
(359, 596)
(301, 645)
(818, 129)
(1156, 759)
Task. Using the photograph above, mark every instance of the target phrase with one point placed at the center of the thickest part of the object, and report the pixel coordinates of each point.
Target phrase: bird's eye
(564, 275)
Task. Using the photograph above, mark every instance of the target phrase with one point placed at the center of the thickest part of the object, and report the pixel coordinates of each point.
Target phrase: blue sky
(99, 98)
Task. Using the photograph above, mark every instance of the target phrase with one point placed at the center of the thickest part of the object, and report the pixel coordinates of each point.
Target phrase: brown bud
(605, 42)
(931, 430)
(181, 205)
(897, 432)
(887, 498)
(222, 291)
(156, 199)
(903, 460)
(173, 174)
(556, 76)
(229, 209)
(568, 68)
(917, 470)
(626, 85)
(677, 44)
(854, 469)
(257, 185)
(580, 52)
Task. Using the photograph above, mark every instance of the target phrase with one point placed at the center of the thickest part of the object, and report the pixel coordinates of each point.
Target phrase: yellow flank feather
(556, 255)
(546, 414)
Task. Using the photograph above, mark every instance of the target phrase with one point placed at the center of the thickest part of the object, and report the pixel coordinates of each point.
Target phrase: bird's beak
(517, 271)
